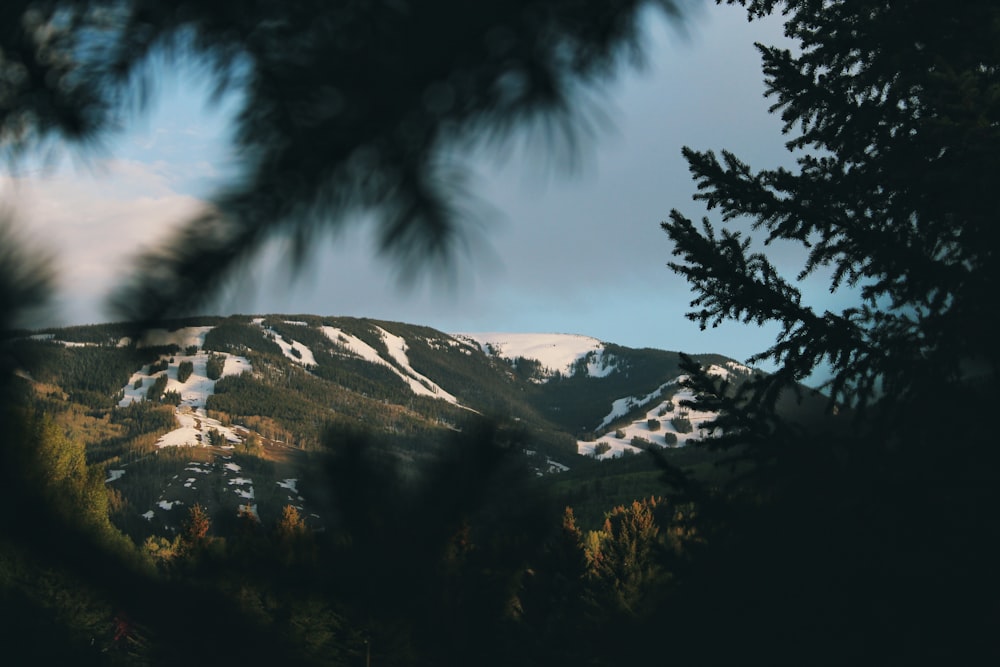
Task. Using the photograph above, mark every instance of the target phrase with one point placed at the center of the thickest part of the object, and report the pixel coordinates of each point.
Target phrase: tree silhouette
(891, 111)
(361, 108)
(893, 117)
(349, 108)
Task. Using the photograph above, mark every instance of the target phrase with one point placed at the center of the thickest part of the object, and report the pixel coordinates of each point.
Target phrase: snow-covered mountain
(556, 353)
(239, 389)
(572, 383)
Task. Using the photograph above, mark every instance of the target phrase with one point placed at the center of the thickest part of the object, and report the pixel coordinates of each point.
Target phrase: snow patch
(660, 414)
(739, 368)
(555, 466)
(73, 343)
(235, 365)
(419, 384)
(113, 475)
(195, 390)
(182, 338)
(194, 425)
(396, 345)
(622, 406)
(557, 353)
(718, 371)
(301, 355)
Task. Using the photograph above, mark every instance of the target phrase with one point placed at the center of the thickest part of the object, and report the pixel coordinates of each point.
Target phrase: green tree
(622, 562)
(194, 532)
(162, 550)
(155, 391)
(171, 397)
(293, 539)
(56, 464)
(290, 526)
(184, 370)
(681, 424)
(252, 445)
(214, 366)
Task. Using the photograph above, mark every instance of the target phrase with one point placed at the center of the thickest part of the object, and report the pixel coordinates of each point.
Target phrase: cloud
(95, 221)
(578, 252)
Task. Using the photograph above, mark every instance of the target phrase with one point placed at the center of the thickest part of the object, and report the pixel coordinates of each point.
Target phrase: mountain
(232, 412)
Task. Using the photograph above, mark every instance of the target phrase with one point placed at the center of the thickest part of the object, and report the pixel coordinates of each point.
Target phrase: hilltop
(232, 412)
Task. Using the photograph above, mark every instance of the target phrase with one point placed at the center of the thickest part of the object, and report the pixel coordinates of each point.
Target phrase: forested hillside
(248, 443)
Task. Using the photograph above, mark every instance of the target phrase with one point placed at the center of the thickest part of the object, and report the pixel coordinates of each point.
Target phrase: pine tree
(621, 558)
(184, 370)
(293, 539)
(290, 526)
(155, 391)
(893, 113)
(196, 527)
(215, 366)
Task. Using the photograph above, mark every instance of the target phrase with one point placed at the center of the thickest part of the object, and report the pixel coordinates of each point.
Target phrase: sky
(563, 250)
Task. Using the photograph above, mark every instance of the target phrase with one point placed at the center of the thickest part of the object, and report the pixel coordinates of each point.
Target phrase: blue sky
(566, 251)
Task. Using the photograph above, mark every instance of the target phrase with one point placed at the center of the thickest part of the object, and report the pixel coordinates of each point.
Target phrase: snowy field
(418, 384)
(194, 425)
(661, 405)
(557, 353)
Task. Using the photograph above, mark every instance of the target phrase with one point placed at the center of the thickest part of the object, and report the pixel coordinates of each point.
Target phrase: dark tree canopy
(870, 534)
(893, 112)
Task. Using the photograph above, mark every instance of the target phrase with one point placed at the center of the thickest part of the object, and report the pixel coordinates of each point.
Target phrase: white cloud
(95, 222)
(579, 254)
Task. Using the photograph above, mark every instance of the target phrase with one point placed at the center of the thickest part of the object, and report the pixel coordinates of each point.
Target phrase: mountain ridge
(537, 358)
(229, 412)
